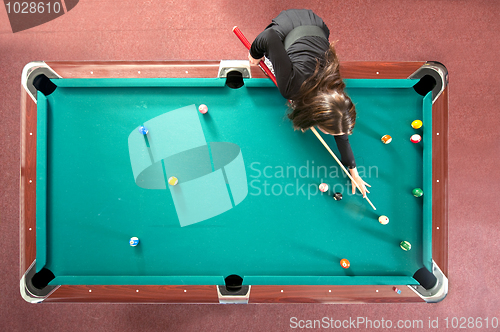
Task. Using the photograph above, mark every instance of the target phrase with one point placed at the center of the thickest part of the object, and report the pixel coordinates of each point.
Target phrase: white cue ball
(383, 220)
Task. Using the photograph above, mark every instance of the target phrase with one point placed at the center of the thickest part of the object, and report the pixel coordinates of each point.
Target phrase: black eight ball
(337, 196)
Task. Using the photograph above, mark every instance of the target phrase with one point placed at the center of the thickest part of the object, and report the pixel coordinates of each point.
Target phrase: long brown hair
(322, 101)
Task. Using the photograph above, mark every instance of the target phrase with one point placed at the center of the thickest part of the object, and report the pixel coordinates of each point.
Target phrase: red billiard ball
(203, 109)
(415, 138)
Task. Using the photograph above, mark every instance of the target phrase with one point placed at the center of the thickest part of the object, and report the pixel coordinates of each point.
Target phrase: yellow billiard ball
(172, 181)
(416, 124)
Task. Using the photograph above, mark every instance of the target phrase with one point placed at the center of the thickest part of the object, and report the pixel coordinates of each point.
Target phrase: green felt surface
(285, 231)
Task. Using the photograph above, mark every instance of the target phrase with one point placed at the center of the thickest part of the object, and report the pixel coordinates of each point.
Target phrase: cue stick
(247, 44)
(268, 72)
(338, 161)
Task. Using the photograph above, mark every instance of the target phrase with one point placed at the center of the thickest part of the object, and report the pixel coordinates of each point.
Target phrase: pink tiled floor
(464, 35)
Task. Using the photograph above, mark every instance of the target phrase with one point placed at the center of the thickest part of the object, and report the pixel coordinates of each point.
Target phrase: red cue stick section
(247, 44)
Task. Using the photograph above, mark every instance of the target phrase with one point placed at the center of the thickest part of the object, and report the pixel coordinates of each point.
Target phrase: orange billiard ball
(345, 263)
(386, 139)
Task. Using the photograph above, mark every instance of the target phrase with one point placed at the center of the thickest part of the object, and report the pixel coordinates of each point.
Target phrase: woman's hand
(253, 61)
(359, 181)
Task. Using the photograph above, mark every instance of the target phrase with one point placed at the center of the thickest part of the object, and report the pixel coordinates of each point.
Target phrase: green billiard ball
(417, 192)
(405, 245)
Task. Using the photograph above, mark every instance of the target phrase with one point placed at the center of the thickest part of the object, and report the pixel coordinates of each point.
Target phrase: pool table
(245, 222)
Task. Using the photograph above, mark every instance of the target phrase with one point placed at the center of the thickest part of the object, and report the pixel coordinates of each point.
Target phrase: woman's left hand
(253, 61)
(359, 181)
